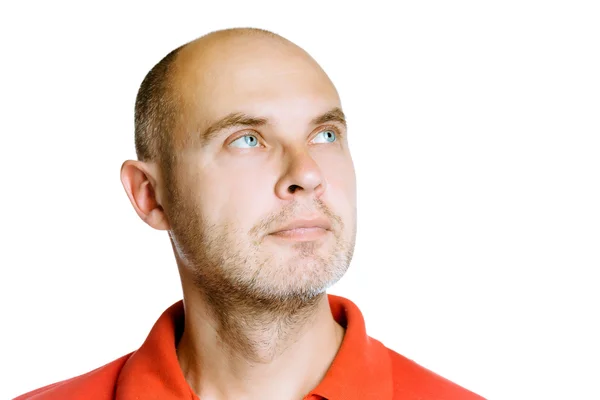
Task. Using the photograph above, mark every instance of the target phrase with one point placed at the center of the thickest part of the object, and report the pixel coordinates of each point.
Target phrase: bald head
(172, 98)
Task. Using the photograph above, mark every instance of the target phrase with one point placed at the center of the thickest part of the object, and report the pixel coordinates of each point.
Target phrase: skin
(257, 319)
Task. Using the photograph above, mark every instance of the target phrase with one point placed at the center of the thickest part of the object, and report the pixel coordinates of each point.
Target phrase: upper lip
(316, 222)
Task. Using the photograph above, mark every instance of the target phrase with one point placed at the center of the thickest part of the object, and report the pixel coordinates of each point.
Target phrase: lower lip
(301, 234)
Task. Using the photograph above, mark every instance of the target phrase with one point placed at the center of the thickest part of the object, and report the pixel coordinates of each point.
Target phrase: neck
(251, 349)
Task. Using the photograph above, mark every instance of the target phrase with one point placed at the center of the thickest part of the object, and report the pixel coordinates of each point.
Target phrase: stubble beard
(250, 293)
(249, 290)
(231, 267)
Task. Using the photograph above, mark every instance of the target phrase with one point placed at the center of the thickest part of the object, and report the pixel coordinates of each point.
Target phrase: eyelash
(339, 134)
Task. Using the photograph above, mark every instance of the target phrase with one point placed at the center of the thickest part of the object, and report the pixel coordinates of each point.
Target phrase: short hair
(155, 112)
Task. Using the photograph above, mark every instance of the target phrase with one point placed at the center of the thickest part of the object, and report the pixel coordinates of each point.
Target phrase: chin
(301, 278)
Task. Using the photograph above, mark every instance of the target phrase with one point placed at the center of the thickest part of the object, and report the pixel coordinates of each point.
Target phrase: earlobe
(157, 219)
(140, 186)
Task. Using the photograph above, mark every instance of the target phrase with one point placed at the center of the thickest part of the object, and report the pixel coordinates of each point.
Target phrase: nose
(302, 177)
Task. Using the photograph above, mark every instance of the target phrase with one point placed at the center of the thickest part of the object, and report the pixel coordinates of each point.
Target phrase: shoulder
(98, 384)
(412, 381)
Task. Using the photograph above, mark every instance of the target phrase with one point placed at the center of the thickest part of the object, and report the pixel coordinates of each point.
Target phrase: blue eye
(246, 141)
(328, 135)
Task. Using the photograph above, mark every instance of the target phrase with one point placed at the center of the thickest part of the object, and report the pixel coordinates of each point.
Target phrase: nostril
(292, 188)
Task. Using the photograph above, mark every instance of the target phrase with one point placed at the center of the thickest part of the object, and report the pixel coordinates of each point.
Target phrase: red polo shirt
(362, 369)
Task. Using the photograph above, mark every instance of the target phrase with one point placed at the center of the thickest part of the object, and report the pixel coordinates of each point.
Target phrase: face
(261, 146)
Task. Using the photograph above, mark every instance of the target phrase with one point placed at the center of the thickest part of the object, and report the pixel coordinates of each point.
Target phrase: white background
(475, 130)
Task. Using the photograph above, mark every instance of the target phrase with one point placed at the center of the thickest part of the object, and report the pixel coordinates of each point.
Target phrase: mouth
(303, 229)
(301, 234)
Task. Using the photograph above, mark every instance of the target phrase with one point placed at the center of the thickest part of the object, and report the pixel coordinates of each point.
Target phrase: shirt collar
(361, 369)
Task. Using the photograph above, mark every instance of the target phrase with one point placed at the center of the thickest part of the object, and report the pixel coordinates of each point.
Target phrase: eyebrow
(334, 115)
(233, 119)
(240, 119)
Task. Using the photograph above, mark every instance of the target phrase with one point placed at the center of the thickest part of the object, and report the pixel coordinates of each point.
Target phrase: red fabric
(362, 369)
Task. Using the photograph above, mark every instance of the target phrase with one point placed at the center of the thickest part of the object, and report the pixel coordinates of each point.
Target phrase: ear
(140, 182)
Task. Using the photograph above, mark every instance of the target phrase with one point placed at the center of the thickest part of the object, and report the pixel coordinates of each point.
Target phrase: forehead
(256, 76)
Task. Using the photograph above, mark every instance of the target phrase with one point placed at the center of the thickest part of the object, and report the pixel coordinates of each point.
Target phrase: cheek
(238, 197)
(341, 190)
(339, 172)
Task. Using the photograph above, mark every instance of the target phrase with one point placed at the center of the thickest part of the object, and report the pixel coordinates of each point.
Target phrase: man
(243, 159)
